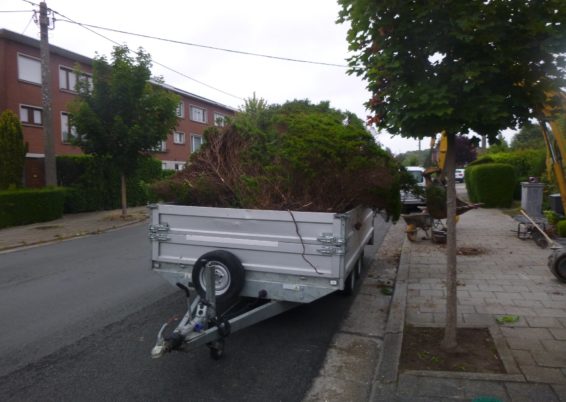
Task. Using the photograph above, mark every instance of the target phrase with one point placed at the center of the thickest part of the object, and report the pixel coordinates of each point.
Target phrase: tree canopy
(529, 137)
(123, 116)
(456, 65)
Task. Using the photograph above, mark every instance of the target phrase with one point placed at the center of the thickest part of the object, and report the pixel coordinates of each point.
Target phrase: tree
(465, 150)
(529, 137)
(458, 66)
(12, 150)
(124, 116)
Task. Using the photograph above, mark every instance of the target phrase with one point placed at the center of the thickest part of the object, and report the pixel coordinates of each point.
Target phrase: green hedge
(94, 184)
(25, 206)
(491, 184)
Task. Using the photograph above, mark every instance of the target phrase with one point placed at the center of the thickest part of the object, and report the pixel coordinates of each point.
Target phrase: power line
(212, 47)
(155, 62)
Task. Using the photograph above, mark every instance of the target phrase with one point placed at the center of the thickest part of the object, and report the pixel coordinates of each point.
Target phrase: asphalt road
(80, 317)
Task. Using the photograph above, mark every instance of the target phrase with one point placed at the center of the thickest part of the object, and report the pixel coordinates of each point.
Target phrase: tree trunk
(123, 193)
(449, 342)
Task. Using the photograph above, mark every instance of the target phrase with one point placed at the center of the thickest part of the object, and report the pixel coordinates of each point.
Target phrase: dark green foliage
(526, 162)
(529, 137)
(25, 206)
(491, 184)
(123, 116)
(93, 184)
(12, 150)
(456, 65)
(296, 156)
(561, 228)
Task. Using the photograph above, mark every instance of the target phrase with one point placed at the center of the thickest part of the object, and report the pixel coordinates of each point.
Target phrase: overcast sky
(296, 29)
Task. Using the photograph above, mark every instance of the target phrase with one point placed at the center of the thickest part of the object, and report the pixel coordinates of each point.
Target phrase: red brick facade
(20, 91)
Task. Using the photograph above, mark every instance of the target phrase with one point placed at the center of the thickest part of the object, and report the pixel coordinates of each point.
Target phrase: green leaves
(499, 59)
(12, 150)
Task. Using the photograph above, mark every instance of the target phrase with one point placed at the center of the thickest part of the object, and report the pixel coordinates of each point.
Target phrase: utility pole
(48, 141)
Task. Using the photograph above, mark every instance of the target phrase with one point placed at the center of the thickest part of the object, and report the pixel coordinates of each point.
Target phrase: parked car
(408, 199)
(459, 175)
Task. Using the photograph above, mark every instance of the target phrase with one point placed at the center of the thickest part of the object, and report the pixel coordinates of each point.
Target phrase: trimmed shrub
(25, 206)
(561, 228)
(491, 184)
(526, 162)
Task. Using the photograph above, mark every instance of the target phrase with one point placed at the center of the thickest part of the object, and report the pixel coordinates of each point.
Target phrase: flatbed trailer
(249, 265)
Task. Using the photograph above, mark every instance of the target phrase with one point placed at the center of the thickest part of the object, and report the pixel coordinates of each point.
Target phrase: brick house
(20, 91)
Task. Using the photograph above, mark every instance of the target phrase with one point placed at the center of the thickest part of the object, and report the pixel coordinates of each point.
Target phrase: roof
(26, 40)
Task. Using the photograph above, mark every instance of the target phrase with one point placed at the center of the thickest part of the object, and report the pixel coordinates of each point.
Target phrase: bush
(491, 184)
(25, 206)
(526, 162)
(12, 150)
(561, 228)
(93, 184)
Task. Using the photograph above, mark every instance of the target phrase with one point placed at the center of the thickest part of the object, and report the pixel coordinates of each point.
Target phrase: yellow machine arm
(555, 143)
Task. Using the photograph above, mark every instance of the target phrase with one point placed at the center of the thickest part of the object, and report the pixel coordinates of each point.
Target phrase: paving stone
(560, 390)
(479, 319)
(543, 322)
(549, 359)
(558, 333)
(543, 374)
(484, 389)
(531, 392)
(523, 357)
(554, 346)
(527, 333)
(523, 344)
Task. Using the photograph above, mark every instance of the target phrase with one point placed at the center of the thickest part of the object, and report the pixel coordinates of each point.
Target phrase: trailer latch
(330, 238)
(330, 250)
(159, 232)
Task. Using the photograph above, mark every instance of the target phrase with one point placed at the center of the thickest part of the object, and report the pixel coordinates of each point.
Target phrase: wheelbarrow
(423, 220)
(431, 220)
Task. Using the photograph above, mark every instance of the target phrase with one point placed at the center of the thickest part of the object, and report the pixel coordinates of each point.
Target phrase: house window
(198, 114)
(31, 115)
(179, 166)
(196, 142)
(68, 133)
(180, 110)
(160, 147)
(68, 79)
(219, 119)
(29, 69)
(178, 137)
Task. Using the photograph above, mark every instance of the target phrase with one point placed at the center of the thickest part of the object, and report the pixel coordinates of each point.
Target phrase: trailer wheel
(350, 284)
(228, 272)
(557, 266)
(359, 266)
(216, 349)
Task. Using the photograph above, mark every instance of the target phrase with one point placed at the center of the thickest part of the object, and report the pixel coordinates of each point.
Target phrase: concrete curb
(388, 365)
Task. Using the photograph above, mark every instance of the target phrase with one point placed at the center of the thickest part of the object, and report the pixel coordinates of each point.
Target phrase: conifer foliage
(12, 150)
(296, 156)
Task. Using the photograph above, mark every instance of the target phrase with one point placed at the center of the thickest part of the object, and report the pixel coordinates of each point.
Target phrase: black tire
(229, 275)
(350, 284)
(216, 349)
(359, 266)
(557, 266)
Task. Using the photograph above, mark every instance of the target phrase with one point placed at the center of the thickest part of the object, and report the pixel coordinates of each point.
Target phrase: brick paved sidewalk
(508, 276)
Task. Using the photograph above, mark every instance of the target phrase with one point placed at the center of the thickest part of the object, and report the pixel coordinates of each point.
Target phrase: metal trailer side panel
(295, 256)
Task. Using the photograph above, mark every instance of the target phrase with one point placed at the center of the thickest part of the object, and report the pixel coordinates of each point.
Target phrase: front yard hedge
(25, 206)
(491, 184)
(93, 184)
